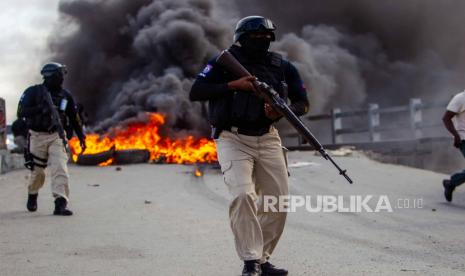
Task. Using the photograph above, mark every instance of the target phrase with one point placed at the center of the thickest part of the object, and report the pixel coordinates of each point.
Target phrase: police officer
(46, 148)
(249, 147)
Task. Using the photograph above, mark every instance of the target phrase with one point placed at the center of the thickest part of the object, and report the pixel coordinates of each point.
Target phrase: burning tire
(123, 157)
(94, 159)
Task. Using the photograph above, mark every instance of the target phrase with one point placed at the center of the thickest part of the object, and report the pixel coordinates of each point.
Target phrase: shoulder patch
(206, 70)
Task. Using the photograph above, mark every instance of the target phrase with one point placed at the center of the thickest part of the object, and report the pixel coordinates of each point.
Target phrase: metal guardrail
(414, 110)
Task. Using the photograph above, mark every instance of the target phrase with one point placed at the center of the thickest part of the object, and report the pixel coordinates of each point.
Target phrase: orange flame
(145, 136)
(198, 173)
(107, 163)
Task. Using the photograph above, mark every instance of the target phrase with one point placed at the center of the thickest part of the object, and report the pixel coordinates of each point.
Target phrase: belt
(44, 131)
(249, 132)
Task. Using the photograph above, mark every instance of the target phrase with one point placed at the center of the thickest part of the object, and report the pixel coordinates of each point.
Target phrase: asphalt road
(161, 220)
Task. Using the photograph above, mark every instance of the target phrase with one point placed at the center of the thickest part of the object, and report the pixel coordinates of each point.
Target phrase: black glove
(82, 143)
(28, 160)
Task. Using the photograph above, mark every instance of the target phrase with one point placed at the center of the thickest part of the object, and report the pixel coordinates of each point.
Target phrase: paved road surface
(161, 220)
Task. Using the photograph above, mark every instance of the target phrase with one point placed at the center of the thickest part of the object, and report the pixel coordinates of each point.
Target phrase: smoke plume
(127, 57)
(359, 51)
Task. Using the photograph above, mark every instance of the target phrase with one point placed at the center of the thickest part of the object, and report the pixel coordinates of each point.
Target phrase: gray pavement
(161, 220)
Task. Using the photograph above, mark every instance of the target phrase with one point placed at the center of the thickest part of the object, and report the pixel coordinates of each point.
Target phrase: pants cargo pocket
(226, 171)
(286, 160)
(237, 175)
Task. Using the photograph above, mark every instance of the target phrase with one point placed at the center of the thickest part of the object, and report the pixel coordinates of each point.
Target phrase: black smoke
(356, 51)
(127, 57)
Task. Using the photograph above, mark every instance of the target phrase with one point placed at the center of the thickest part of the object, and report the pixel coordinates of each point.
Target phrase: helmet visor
(52, 70)
(256, 25)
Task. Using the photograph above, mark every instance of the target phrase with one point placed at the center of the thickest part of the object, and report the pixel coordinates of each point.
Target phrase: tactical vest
(246, 109)
(43, 122)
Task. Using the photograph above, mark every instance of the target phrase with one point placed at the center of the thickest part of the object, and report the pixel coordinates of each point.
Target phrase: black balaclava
(255, 47)
(54, 82)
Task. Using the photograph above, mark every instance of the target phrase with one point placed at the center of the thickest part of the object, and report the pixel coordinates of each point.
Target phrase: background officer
(46, 148)
(249, 147)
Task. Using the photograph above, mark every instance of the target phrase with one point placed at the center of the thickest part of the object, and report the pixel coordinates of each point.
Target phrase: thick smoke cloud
(126, 57)
(359, 51)
(331, 73)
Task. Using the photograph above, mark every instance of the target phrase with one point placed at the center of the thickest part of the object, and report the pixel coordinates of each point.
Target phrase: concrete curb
(10, 161)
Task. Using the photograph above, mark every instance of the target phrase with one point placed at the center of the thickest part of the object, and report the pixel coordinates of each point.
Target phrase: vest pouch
(218, 112)
(246, 108)
(41, 122)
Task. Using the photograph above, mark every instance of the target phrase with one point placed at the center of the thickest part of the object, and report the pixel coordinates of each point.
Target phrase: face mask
(256, 46)
(54, 82)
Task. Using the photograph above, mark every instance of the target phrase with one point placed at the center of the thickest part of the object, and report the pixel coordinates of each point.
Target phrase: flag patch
(206, 70)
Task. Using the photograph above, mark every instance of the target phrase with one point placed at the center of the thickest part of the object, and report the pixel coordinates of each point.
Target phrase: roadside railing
(412, 121)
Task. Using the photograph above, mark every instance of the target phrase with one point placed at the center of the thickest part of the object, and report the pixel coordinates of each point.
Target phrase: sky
(25, 25)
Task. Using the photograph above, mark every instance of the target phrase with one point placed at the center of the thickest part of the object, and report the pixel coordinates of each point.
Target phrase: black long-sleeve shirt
(34, 108)
(211, 84)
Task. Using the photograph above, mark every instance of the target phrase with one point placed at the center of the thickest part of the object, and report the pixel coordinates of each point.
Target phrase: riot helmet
(53, 74)
(254, 23)
(53, 68)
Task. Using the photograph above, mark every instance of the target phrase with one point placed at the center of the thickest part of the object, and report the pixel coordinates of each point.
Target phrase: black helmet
(254, 23)
(52, 68)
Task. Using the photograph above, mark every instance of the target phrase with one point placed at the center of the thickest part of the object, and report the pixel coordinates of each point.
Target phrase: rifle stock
(56, 118)
(232, 65)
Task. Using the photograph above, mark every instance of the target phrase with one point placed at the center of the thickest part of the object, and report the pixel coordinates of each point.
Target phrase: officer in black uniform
(249, 148)
(46, 147)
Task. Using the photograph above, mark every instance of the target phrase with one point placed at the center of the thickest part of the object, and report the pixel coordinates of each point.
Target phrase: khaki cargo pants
(253, 166)
(48, 151)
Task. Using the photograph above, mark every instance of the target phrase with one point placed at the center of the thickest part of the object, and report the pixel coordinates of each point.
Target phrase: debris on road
(300, 164)
(198, 173)
(343, 151)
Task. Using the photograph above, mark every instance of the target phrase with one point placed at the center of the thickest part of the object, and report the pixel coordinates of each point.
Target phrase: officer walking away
(248, 145)
(46, 144)
(20, 132)
(454, 121)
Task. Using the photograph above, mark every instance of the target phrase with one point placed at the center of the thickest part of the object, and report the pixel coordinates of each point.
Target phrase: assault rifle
(55, 117)
(230, 63)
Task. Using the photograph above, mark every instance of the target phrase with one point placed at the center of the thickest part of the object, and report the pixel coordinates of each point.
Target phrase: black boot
(32, 202)
(60, 207)
(251, 268)
(269, 269)
(448, 189)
